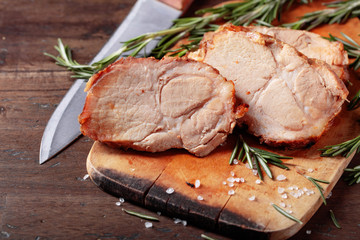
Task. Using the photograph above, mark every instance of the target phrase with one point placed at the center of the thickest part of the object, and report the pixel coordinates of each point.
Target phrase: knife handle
(181, 5)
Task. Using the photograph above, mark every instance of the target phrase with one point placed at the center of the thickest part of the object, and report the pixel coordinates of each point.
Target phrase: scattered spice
(190, 184)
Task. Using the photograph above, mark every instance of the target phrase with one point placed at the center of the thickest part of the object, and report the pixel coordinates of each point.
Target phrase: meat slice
(151, 105)
(292, 99)
(312, 45)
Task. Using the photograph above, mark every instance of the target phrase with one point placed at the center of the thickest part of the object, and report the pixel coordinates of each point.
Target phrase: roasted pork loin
(312, 45)
(151, 105)
(292, 99)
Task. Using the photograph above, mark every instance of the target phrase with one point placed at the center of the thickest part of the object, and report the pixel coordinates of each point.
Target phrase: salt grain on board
(281, 190)
(284, 196)
(200, 198)
(231, 192)
(197, 183)
(170, 190)
(281, 177)
(252, 198)
(86, 176)
(148, 224)
(258, 181)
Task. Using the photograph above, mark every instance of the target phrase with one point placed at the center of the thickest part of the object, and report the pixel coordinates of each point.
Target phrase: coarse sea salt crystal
(281, 177)
(197, 183)
(148, 224)
(242, 180)
(258, 181)
(252, 198)
(224, 182)
(284, 195)
(308, 232)
(122, 200)
(310, 170)
(184, 222)
(255, 172)
(281, 190)
(118, 203)
(170, 190)
(232, 173)
(328, 196)
(237, 179)
(177, 220)
(86, 176)
(289, 211)
(235, 161)
(231, 192)
(231, 179)
(282, 204)
(231, 184)
(200, 198)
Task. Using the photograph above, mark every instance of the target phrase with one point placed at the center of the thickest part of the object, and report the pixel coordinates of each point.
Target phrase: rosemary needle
(336, 12)
(259, 157)
(319, 187)
(332, 215)
(354, 176)
(286, 214)
(143, 216)
(207, 237)
(344, 149)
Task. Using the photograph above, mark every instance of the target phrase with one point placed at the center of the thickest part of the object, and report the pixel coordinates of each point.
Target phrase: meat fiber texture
(292, 99)
(312, 45)
(151, 105)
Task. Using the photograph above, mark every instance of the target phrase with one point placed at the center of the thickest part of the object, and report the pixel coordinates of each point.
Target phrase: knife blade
(145, 16)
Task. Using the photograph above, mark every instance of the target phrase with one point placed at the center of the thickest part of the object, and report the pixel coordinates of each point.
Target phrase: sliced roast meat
(312, 45)
(151, 105)
(292, 99)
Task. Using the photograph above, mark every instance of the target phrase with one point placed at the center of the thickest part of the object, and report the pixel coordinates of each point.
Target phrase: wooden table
(53, 201)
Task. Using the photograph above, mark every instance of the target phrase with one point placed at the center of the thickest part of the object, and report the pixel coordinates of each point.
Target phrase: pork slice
(312, 45)
(292, 99)
(151, 105)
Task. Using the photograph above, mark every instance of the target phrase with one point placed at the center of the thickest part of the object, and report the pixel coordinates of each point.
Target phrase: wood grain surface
(52, 201)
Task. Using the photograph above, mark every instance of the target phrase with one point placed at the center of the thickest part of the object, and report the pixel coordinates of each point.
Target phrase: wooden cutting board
(143, 178)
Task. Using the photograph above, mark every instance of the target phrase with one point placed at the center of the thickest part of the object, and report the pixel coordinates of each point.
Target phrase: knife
(145, 16)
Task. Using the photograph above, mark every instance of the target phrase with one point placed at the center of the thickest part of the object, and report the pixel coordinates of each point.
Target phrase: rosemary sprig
(140, 215)
(318, 186)
(286, 214)
(260, 157)
(336, 223)
(337, 12)
(344, 149)
(241, 13)
(354, 176)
